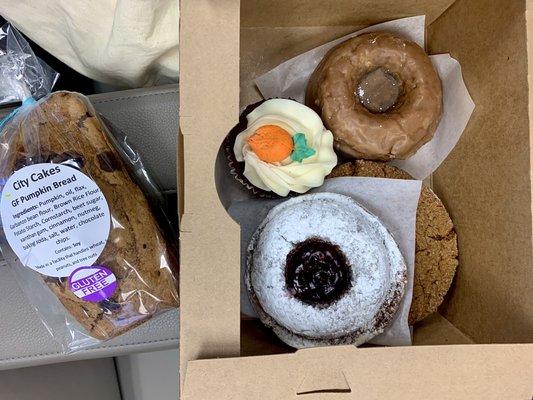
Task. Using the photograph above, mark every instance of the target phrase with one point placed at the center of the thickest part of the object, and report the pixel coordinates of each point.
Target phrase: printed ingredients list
(56, 219)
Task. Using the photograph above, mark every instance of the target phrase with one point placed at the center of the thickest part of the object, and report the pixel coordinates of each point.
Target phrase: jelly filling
(317, 272)
(378, 91)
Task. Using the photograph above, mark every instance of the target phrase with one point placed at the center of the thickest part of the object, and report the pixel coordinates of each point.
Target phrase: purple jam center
(317, 272)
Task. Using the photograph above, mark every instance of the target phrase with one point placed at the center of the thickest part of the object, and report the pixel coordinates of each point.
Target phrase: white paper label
(55, 218)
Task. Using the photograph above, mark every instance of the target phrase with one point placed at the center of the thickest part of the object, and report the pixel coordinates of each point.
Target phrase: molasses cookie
(436, 240)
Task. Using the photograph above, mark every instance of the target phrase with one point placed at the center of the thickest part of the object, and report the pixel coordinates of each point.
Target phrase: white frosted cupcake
(279, 147)
(322, 270)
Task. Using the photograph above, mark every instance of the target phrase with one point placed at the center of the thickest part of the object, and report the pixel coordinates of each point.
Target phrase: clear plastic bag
(79, 212)
(22, 74)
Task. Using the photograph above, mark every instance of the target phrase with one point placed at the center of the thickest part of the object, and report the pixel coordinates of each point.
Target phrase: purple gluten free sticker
(93, 284)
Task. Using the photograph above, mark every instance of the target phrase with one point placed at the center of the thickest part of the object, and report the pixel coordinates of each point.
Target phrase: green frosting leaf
(301, 150)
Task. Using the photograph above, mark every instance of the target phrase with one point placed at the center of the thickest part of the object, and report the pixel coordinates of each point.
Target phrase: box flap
(283, 13)
(319, 377)
(436, 330)
(439, 372)
(486, 181)
(209, 88)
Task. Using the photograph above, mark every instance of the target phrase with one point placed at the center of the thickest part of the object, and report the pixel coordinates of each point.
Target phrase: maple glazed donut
(379, 94)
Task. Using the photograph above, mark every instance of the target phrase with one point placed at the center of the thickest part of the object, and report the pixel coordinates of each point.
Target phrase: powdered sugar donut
(323, 270)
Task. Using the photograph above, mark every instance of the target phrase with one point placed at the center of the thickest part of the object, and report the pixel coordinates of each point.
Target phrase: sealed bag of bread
(78, 227)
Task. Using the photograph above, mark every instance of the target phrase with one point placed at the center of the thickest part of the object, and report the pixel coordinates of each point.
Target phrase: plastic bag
(78, 230)
(22, 74)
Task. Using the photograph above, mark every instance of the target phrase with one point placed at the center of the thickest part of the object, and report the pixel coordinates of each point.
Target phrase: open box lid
(438, 372)
(210, 257)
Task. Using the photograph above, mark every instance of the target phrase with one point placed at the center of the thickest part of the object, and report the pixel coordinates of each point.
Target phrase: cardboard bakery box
(477, 346)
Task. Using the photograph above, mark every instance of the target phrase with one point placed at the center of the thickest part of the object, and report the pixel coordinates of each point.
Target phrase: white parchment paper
(393, 201)
(289, 80)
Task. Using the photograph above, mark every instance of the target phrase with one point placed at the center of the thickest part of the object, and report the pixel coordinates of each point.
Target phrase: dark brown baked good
(64, 127)
(379, 94)
(436, 239)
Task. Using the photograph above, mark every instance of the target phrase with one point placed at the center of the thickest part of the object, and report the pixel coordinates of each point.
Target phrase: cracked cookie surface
(436, 257)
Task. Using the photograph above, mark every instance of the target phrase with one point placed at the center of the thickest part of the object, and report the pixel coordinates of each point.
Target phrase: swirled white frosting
(287, 175)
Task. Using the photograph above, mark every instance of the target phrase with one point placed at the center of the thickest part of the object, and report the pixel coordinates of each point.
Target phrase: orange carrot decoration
(271, 143)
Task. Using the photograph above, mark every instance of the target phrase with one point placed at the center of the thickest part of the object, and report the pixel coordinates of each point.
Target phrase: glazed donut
(379, 94)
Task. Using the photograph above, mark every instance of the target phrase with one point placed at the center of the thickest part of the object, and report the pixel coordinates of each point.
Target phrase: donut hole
(378, 90)
(317, 272)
